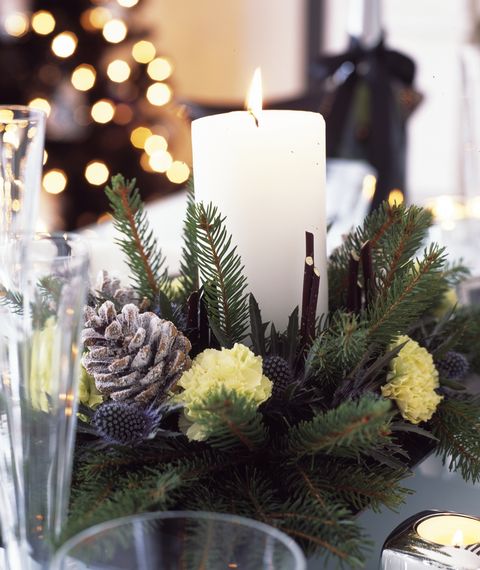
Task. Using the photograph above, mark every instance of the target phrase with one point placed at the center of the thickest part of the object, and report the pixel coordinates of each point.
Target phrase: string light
(159, 94)
(178, 172)
(43, 22)
(65, 44)
(395, 197)
(145, 162)
(155, 143)
(95, 18)
(83, 77)
(16, 24)
(96, 172)
(45, 157)
(127, 3)
(114, 31)
(143, 51)
(118, 70)
(160, 161)
(159, 69)
(55, 181)
(123, 114)
(40, 103)
(139, 135)
(103, 111)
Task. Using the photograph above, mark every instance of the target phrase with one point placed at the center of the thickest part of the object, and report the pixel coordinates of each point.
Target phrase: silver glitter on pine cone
(110, 287)
(133, 356)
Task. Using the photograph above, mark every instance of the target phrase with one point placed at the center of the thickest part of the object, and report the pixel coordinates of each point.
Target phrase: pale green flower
(412, 381)
(236, 369)
(87, 391)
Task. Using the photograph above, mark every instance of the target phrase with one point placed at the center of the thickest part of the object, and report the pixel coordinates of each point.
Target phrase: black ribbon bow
(374, 79)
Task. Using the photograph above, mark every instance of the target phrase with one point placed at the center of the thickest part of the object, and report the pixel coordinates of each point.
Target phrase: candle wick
(254, 117)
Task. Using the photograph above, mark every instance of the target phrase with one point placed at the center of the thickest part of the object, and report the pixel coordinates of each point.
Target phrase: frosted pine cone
(133, 356)
(110, 287)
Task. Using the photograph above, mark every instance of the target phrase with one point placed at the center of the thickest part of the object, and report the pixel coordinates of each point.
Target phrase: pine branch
(338, 349)
(352, 429)
(410, 293)
(221, 272)
(357, 485)
(188, 262)
(144, 257)
(231, 421)
(457, 427)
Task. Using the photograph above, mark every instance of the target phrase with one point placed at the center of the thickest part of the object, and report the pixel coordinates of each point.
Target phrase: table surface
(435, 488)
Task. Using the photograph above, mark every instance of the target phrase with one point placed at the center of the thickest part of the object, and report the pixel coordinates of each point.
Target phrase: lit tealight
(43, 22)
(65, 44)
(103, 111)
(16, 24)
(139, 136)
(159, 69)
(42, 104)
(127, 3)
(450, 529)
(143, 51)
(83, 77)
(54, 181)
(115, 31)
(395, 197)
(178, 172)
(118, 70)
(160, 161)
(96, 172)
(155, 143)
(159, 94)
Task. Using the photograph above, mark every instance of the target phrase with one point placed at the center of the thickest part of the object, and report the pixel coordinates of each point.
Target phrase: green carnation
(87, 391)
(236, 369)
(412, 381)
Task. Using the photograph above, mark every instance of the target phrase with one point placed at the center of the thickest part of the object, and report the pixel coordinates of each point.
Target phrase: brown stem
(205, 226)
(123, 193)
(312, 307)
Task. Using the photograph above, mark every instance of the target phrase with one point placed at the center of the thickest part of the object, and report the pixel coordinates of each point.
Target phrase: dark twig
(353, 290)
(307, 280)
(368, 275)
(312, 307)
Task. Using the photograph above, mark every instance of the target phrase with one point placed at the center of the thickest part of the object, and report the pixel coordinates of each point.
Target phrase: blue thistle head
(125, 424)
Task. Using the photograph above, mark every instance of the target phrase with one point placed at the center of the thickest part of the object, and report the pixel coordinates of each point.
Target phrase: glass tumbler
(22, 138)
(43, 287)
(180, 541)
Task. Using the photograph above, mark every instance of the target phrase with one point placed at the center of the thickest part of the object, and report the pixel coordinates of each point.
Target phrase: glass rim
(90, 532)
(82, 254)
(34, 112)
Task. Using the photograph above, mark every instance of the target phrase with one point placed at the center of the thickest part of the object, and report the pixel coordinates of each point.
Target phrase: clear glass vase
(43, 284)
(180, 541)
(22, 138)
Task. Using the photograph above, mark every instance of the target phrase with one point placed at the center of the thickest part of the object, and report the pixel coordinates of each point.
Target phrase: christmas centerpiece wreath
(191, 401)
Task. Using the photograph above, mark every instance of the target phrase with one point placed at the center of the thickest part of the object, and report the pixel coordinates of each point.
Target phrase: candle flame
(457, 539)
(254, 97)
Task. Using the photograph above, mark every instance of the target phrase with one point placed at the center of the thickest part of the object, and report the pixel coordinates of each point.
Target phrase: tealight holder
(434, 539)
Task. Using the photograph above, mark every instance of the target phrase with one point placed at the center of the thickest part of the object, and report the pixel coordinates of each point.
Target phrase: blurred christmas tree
(107, 94)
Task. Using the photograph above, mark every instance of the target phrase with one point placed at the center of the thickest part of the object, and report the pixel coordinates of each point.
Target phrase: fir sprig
(188, 262)
(221, 272)
(457, 427)
(137, 241)
(350, 430)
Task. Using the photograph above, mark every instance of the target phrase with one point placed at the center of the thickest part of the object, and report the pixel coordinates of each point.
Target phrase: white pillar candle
(268, 179)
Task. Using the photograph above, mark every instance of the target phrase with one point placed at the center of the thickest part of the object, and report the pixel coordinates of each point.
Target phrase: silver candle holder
(434, 539)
